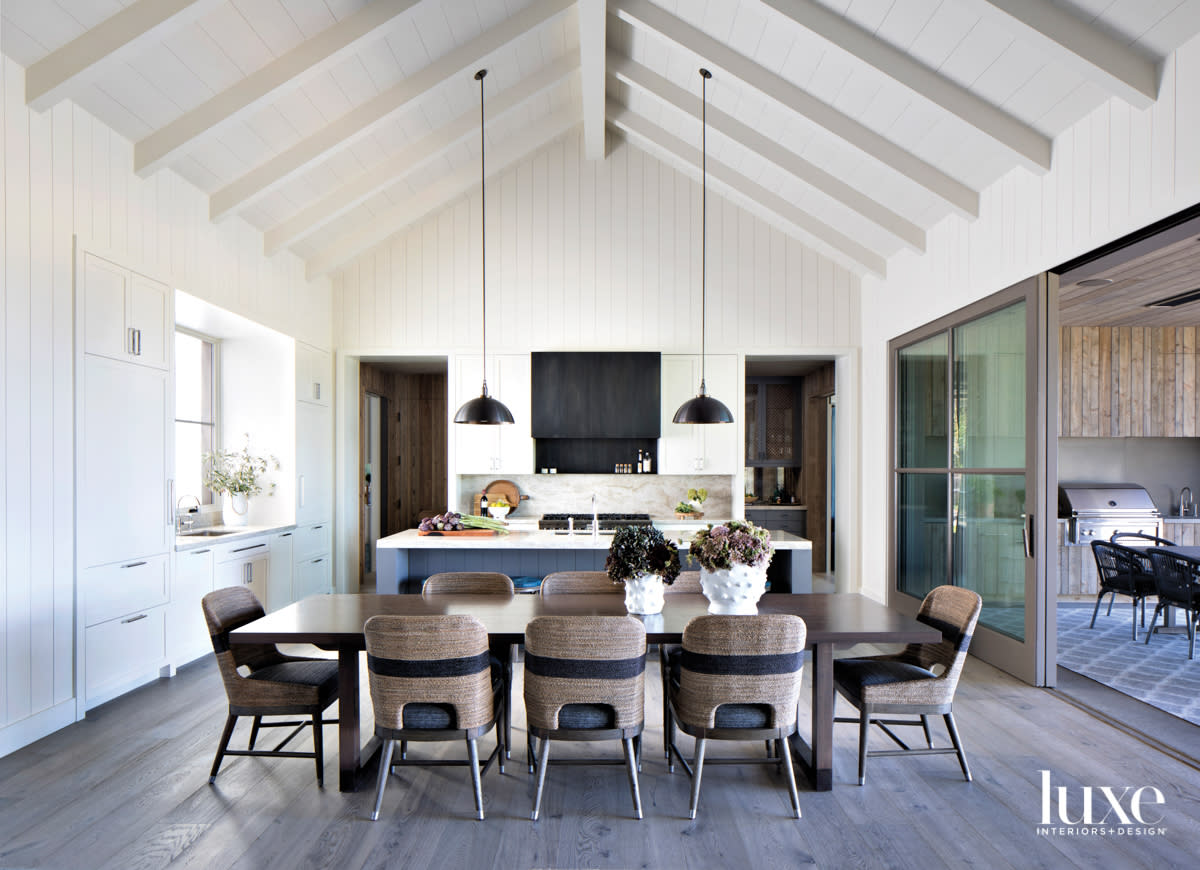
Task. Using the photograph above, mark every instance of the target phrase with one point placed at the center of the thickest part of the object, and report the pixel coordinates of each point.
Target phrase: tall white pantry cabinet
(124, 461)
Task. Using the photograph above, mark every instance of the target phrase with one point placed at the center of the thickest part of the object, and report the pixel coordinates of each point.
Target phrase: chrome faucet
(1183, 505)
(181, 522)
(595, 519)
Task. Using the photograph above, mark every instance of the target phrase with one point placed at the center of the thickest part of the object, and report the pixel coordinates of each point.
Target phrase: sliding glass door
(968, 471)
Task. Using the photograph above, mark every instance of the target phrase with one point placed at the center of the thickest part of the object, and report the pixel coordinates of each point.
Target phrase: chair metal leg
(925, 726)
(791, 775)
(1096, 610)
(385, 767)
(319, 749)
(403, 750)
(473, 755)
(529, 750)
(1191, 624)
(230, 721)
(254, 731)
(1135, 601)
(543, 763)
(669, 738)
(632, 768)
(864, 729)
(637, 745)
(962, 756)
(1111, 598)
(1153, 622)
(697, 770)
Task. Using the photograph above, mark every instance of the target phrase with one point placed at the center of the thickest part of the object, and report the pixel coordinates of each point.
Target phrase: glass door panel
(989, 390)
(922, 419)
(921, 533)
(988, 547)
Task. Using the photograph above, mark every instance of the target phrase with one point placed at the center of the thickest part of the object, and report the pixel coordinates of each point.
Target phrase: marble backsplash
(615, 493)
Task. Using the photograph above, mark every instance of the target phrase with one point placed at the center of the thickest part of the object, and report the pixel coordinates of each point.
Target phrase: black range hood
(593, 411)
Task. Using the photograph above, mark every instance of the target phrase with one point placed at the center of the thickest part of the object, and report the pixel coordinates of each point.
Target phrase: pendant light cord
(483, 222)
(705, 75)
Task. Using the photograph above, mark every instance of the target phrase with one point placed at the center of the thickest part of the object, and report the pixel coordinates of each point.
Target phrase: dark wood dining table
(335, 622)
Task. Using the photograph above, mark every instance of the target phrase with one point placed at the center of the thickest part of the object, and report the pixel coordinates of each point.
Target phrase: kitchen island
(405, 559)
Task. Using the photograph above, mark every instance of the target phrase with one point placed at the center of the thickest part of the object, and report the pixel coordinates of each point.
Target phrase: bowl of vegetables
(453, 523)
(499, 508)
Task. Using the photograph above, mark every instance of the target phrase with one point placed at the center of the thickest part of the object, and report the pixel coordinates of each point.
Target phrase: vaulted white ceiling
(853, 125)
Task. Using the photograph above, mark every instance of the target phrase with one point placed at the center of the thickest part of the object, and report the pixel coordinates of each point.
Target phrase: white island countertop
(548, 540)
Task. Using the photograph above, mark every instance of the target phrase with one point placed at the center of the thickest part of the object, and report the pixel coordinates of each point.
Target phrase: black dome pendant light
(703, 408)
(483, 410)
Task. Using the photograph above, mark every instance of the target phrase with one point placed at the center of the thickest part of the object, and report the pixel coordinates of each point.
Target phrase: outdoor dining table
(335, 622)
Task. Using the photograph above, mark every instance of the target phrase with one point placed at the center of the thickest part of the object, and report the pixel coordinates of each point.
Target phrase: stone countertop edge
(195, 542)
(776, 507)
(540, 540)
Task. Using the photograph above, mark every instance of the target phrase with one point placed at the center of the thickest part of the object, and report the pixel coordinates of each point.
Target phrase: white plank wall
(594, 254)
(63, 173)
(1114, 171)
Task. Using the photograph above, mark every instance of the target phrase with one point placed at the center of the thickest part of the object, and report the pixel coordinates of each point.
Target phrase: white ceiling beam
(593, 21)
(115, 39)
(397, 166)
(954, 193)
(442, 192)
(842, 247)
(646, 80)
(1101, 59)
(361, 120)
(1029, 146)
(286, 72)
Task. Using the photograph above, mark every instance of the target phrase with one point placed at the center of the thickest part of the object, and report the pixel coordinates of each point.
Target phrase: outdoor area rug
(1158, 674)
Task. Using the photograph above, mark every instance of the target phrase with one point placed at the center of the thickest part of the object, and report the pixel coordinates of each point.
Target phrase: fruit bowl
(498, 512)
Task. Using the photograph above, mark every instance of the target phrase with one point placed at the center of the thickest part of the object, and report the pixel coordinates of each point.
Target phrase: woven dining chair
(580, 583)
(1122, 571)
(468, 583)
(433, 678)
(479, 583)
(273, 684)
(920, 679)
(736, 678)
(1177, 583)
(585, 680)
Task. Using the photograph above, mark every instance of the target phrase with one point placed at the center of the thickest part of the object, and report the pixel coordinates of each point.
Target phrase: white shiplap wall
(594, 254)
(63, 173)
(1114, 171)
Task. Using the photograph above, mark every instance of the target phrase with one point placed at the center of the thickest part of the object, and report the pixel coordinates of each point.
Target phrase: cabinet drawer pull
(286, 535)
(200, 552)
(315, 561)
(133, 619)
(251, 547)
(317, 528)
(134, 565)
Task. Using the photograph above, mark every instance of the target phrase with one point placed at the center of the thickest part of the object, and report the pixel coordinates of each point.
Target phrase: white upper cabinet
(504, 449)
(314, 463)
(127, 316)
(314, 374)
(696, 449)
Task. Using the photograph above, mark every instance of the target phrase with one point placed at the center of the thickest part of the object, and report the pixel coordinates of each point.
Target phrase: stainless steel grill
(1096, 510)
(583, 522)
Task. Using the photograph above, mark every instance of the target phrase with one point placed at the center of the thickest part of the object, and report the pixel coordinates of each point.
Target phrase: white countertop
(754, 506)
(236, 533)
(547, 540)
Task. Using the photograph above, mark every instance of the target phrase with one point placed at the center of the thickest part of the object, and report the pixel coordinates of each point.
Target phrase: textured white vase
(736, 591)
(235, 506)
(644, 594)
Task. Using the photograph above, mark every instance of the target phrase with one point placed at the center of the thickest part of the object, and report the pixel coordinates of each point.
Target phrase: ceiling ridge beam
(1100, 58)
(397, 166)
(839, 245)
(362, 119)
(118, 37)
(281, 75)
(442, 192)
(593, 33)
(961, 198)
(645, 79)
(1030, 147)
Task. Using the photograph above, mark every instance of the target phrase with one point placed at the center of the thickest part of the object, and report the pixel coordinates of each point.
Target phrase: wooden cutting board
(506, 488)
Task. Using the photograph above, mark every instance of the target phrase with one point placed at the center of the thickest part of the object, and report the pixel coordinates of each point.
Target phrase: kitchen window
(196, 389)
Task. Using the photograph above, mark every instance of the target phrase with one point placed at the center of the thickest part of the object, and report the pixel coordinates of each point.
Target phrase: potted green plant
(236, 475)
(644, 560)
(733, 561)
(690, 508)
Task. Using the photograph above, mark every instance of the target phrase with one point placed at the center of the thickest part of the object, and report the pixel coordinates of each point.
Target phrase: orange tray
(463, 533)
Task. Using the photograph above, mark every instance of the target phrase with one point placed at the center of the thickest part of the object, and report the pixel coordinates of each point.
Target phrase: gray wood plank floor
(128, 788)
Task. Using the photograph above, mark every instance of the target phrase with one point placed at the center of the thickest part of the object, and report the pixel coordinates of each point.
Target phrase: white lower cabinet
(123, 653)
(187, 632)
(279, 575)
(245, 563)
(313, 577)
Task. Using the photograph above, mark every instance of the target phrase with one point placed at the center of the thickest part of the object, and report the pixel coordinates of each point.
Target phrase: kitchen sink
(208, 533)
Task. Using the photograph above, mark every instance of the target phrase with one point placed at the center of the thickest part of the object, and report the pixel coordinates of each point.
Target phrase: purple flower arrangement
(641, 550)
(737, 542)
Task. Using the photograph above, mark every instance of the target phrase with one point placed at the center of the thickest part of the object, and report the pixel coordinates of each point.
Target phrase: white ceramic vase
(235, 507)
(736, 591)
(644, 594)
